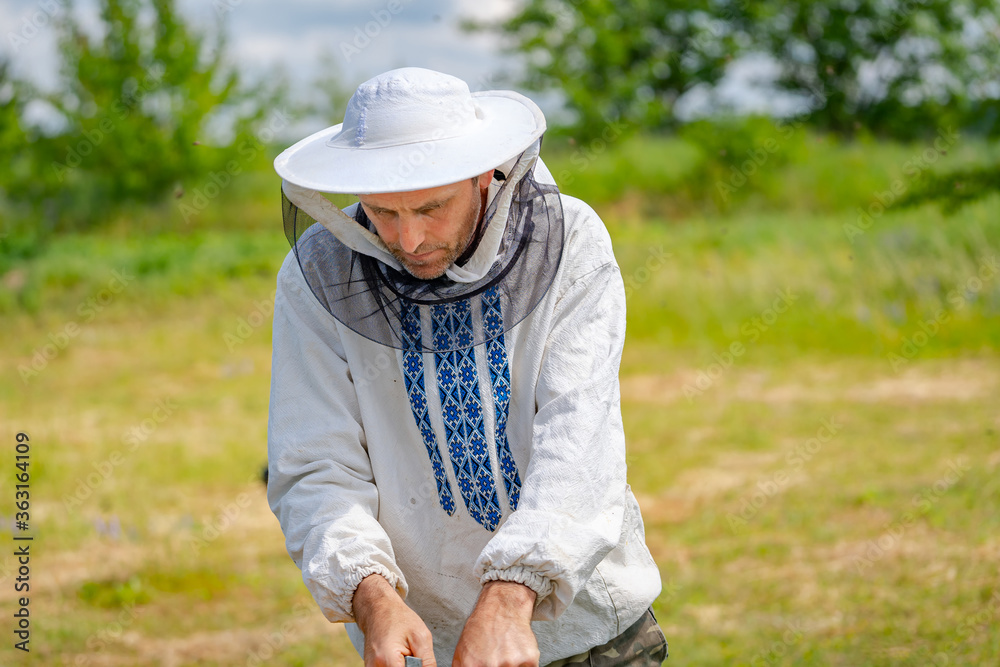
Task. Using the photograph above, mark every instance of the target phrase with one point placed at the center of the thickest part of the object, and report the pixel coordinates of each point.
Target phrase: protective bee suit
(451, 432)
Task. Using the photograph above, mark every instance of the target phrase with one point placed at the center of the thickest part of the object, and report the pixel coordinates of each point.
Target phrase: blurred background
(803, 200)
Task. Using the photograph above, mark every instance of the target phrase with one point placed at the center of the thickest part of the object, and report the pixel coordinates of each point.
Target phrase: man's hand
(392, 630)
(498, 632)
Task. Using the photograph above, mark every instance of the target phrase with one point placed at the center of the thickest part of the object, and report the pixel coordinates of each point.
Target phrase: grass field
(812, 419)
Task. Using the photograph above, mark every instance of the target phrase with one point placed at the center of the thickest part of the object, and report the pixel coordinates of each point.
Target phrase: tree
(954, 189)
(623, 60)
(23, 179)
(140, 102)
(329, 92)
(898, 67)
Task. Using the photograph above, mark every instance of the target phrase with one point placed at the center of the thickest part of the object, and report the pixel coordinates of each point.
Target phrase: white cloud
(295, 33)
(486, 11)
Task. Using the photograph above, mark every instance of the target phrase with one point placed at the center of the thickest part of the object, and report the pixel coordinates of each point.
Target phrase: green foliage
(899, 69)
(329, 91)
(931, 59)
(74, 267)
(623, 60)
(955, 189)
(113, 594)
(750, 165)
(741, 156)
(146, 103)
(24, 181)
(602, 173)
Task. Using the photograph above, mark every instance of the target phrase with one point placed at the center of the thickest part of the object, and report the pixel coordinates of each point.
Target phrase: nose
(411, 234)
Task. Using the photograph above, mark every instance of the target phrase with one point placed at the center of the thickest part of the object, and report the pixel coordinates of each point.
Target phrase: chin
(429, 272)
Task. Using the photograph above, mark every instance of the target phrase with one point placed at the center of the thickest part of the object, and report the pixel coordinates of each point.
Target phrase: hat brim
(509, 124)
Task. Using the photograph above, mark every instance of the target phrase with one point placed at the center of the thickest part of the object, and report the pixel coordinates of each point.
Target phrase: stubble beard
(436, 268)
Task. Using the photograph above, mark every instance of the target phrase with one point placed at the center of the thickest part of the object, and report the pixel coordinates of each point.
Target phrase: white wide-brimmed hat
(411, 129)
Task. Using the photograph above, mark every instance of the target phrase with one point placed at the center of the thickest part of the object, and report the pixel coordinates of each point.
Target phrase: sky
(363, 38)
(295, 38)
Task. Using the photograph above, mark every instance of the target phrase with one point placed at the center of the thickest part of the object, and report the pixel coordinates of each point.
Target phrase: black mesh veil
(370, 297)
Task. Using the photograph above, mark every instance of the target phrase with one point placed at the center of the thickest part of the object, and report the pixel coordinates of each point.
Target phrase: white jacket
(352, 478)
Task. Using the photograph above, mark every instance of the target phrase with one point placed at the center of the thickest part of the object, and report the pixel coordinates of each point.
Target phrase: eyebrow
(429, 206)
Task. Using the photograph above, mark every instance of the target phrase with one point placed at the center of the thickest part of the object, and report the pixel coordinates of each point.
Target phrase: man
(446, 455)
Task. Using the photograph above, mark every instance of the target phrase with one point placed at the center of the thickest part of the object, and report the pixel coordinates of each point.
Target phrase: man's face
(427, 230)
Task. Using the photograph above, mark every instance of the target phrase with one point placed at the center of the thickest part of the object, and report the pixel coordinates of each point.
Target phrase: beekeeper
(445, 446)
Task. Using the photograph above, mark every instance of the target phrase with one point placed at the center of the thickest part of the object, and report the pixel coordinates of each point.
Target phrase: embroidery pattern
(462, 410)
(461, 404)
(413, 375)
(496, 354)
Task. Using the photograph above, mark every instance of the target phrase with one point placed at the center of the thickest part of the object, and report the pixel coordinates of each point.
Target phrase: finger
(423, 647)
(386, 655)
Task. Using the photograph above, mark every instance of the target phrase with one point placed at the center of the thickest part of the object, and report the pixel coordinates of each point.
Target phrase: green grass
(698, 283)
(851, 296)
(761, 524)
(750, 166)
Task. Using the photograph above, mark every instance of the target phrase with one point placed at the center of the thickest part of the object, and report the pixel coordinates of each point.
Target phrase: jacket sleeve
(574, 493)
(320, 482)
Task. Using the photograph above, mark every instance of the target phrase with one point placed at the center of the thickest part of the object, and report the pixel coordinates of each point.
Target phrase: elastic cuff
(354, 580)
(522, 575)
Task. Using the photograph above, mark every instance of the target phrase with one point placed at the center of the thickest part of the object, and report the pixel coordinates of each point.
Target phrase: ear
(484, 179)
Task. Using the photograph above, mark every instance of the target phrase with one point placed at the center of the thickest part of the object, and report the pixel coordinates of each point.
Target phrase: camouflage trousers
(642, 645)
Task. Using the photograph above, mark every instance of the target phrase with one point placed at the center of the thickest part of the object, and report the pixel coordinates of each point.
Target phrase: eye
(382, 213)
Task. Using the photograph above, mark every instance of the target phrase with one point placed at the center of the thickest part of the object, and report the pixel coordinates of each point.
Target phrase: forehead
(415, 199)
